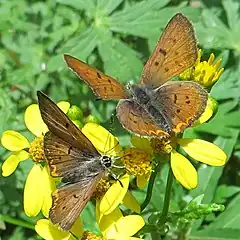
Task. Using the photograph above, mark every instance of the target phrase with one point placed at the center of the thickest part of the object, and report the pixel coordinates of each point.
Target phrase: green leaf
(108, 6)
(224, 191)
(140, 19)
(88, 6)
(216, 234)
(120, 61)
(230, 217)
(209, 175)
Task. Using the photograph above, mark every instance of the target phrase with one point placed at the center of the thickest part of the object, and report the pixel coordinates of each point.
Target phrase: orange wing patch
(102, 85)
(176, 51)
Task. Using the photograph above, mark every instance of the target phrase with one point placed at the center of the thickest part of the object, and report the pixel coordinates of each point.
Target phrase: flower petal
(108, 220)
(183, 170)
(142, 180)
(64, 106)
(48, 231)
(33, 191)
(14, 141)
(49, 187)
(203, 151)
(33, 120)
(77, 228)
(102, 139)
(11, 163)
(125, 227)
(131, 202)
(114, 195)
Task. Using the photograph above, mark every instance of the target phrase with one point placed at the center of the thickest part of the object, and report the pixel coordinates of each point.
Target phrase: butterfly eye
(106, 161)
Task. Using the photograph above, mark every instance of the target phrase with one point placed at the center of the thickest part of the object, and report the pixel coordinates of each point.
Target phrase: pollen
(137, 162)
(103, 185)
(90, 236)
(36, 149)
(163, 145)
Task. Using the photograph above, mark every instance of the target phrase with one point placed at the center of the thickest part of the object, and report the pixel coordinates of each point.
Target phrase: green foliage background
(117, 36)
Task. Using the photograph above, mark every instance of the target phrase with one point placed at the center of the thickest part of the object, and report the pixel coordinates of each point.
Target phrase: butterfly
(71, 156)
(156, 106)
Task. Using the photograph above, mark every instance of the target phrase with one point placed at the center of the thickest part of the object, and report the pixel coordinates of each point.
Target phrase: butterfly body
(156, 106)
(71, 156)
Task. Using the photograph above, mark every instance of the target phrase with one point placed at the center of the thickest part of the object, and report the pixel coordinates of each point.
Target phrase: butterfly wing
(181, 102)
(102, 85)
(69, 201)
(135, 119)
(60, 125)
(176, 51)
(69, 162)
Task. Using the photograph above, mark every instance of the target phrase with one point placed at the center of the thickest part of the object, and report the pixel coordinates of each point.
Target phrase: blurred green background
(116, 36)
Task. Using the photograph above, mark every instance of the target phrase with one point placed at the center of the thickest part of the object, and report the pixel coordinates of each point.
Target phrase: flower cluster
(110, 195)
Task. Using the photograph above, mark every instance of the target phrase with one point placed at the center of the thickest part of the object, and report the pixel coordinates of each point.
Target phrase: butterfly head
(106, 161)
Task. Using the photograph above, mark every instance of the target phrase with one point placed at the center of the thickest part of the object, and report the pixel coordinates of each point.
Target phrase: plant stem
(150, 187)
(167, 198)
(16, 222)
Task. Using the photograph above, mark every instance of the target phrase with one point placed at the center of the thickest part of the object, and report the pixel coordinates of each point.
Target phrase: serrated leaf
(225, 191)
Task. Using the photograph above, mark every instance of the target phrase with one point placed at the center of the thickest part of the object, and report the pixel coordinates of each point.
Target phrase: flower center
(36, 149)
(163, 145)
(90, 236)
(137, 162)
(102, 187)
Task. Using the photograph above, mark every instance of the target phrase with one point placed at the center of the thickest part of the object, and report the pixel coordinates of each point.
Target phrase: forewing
(135, 119)
(68, 161)
(102, 85)
(61, 126)
(69, 201)
(176, 51)
(181, 102)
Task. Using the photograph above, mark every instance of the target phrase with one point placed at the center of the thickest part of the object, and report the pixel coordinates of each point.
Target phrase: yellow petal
(64, 106)
(108, 220)
(183, 170)
(33, 120)
(11, 163)
(125, 227)
(203, 151)
(102, 139)
(142, 143)
(14, 141)
(143, 179)
(77, 228)
(49, 187)
(33, 191)
(48, 231)
(114, 195)
(131, 202)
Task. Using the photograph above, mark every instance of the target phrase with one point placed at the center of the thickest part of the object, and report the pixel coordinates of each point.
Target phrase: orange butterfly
(155, 107)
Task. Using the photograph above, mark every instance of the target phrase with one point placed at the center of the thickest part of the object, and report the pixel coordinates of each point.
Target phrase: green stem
(167, 198)
(150, 187)
(16, 222)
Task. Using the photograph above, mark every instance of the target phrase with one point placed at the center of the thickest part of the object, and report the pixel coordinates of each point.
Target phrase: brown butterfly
(72, 157)
(155, 107)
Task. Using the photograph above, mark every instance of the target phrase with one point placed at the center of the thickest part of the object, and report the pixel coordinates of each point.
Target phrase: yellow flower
(206, 72)
(117, 226)
(48, 231)
(109, 196)
(39, 184)
(199, 150)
